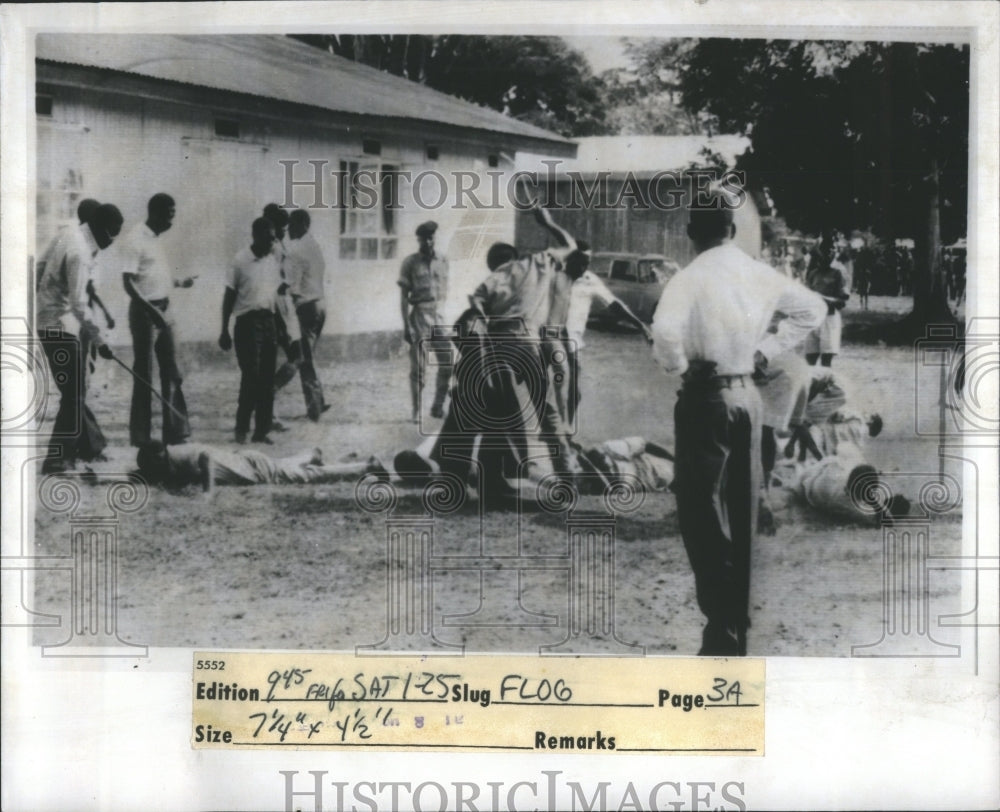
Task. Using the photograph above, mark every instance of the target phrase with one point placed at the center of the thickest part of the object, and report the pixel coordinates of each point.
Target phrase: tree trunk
(930, 301)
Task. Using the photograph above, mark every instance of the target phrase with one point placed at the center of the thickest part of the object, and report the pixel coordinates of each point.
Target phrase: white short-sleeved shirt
(255, 280)
(719, 308)
(305, 269)
(63, 272)
(142, 255)
(585, 290)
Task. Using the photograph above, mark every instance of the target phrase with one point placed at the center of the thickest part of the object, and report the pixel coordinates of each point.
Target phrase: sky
(602, 52)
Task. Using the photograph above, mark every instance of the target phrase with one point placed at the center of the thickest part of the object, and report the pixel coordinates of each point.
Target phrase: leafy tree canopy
(844, 135)
(540, 80)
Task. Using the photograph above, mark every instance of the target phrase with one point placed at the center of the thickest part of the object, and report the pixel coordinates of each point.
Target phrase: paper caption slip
(478, 702)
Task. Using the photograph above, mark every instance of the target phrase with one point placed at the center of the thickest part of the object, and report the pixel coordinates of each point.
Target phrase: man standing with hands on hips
(711, 326)
(252, 282)
(148, 282)
(423, 285)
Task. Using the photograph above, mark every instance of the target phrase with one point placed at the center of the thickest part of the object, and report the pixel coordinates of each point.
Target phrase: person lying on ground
(825, 462)
(632, 461)
(208, 466)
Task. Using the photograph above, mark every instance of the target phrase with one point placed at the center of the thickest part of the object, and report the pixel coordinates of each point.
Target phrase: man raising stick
(711, 326)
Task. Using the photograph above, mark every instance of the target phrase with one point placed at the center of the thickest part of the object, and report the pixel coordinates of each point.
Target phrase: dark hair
(108, 218)
(149, 455)
(300, 217)
(86, 210)
(500, 253)
(582, 245)
(875, 425)
(576, 263)
(710, 219)
(276, 215)
(160, 203)
(261, 226)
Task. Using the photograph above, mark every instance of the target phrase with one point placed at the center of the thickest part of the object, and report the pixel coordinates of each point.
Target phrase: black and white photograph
(629, 336)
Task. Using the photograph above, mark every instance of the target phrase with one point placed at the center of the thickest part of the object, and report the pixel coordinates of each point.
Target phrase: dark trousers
(716, 481)
(256, 341)
(311, 317)
(496, 405)
(76, 434)
(147, 340)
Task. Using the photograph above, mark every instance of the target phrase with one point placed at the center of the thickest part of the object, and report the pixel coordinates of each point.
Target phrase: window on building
(369, 200)
(493, 160)
(227, 128)
(371, 146)
(43, 104)
(433, 152)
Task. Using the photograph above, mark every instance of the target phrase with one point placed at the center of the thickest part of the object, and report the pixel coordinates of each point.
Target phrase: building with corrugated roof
(226, 124)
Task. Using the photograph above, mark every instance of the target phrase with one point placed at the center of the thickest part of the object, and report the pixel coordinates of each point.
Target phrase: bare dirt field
(304, 567)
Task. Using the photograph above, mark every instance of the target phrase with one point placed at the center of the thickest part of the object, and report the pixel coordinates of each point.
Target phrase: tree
(644, 98)
(850, 136)
(540, 80)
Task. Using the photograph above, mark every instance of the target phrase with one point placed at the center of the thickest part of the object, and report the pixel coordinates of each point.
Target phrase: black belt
(701, 375)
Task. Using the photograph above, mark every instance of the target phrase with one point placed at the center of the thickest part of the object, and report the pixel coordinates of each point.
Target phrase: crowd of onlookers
(872, 267)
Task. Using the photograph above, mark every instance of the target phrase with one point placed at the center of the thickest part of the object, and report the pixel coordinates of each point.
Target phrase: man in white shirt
(305, 269)
(63, 322)
(585, 290)
(148, 282)
(711, 326)
(251, 290)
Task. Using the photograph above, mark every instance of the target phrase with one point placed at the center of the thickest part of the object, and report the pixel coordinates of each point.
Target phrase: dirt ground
(303, 567)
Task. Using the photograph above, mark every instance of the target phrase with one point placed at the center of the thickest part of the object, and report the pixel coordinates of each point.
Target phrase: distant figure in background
(63, 323)
(252, 282)
(826, 277)
(147, 278)
(863, 265)
(423, 289)
(305, 271)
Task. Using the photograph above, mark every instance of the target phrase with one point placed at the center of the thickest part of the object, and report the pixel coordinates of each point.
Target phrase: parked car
(636, 279)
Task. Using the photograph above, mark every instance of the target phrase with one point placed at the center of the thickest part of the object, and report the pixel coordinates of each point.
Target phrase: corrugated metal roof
(277, 67)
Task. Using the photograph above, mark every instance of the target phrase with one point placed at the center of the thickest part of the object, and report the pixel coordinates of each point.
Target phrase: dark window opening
(371, 146)
(43, 104)
(493, 161)
(227, 128)
(433, 153)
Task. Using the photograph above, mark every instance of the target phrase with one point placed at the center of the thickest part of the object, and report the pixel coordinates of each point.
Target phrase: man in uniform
(304, 272)
(63, 323)
(423, 288)
(148, 281)
(711, 326)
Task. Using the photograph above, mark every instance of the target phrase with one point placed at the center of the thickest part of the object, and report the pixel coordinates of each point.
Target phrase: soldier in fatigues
(423, 285)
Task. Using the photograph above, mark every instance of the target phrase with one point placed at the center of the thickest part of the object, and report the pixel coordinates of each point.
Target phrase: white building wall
(123, 149)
